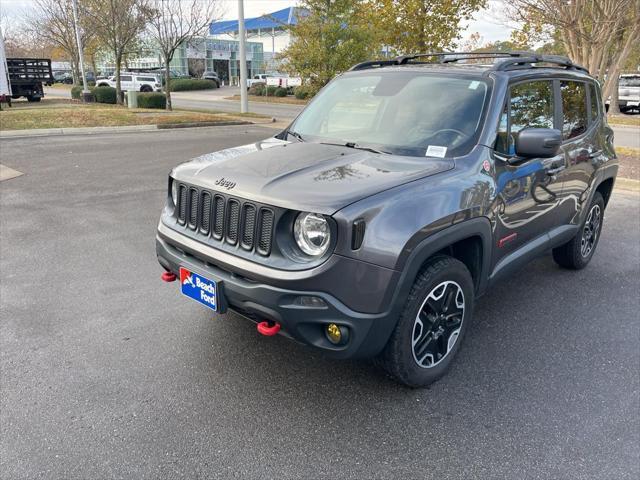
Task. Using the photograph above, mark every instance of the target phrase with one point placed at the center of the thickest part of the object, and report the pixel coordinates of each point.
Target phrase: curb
(627, 184)
(42, 132)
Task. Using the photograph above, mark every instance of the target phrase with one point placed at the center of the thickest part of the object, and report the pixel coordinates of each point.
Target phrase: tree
(598, 34)
(175, 23)
(116, 24)
(412, 26)
(335, 35)
(52, 22)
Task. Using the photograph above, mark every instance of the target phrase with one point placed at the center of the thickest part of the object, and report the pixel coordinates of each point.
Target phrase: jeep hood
(304, 176)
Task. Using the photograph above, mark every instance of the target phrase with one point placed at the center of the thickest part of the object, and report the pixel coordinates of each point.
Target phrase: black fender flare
(426, 248)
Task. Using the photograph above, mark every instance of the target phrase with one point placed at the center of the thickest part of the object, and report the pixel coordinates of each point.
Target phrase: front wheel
(33, 99)
(577, 252)
(432, 325)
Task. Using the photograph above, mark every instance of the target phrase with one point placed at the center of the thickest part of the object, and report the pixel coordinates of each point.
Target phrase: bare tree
(51, 21)
(599, 34)
(117, 24)
(174, 24)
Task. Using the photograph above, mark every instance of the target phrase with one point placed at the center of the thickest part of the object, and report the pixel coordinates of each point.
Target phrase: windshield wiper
(355, 146)
(296, 135)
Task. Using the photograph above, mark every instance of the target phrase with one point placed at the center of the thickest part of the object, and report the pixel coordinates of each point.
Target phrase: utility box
(132, 99)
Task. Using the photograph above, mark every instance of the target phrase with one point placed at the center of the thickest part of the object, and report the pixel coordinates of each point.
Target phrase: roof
(281, 18)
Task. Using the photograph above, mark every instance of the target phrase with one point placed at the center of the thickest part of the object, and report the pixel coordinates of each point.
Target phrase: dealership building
(219, 51)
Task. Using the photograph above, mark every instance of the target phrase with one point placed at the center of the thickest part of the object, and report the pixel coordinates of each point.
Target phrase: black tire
(577, 252)
(400, 357)
(146, 89)
(33, 99)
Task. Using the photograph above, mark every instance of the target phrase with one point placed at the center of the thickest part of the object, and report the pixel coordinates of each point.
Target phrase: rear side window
(125, 78)
(147, 79)
(530, 106)
(595, 101)
(574, 109)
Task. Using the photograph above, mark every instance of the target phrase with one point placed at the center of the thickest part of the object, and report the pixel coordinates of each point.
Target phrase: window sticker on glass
(436, 151)
(473, 85)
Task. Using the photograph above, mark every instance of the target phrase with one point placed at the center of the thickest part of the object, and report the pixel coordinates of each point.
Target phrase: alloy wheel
(437, 325)
(590, 231)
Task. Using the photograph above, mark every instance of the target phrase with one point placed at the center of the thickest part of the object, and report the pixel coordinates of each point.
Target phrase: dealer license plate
(199, 288)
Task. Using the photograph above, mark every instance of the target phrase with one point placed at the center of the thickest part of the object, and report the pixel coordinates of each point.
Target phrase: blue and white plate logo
(199, 288)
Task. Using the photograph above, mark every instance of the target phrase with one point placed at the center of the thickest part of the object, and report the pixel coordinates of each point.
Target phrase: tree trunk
(167, 80)
(118, 85)
(614, 107)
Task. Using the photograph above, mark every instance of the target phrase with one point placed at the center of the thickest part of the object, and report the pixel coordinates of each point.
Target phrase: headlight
(174, 192)
(312, 233)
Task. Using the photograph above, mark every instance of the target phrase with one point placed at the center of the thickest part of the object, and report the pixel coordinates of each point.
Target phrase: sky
(483, 23)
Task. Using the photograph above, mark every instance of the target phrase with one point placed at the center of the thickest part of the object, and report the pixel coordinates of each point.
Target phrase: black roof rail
(512, 60)
(525, 62)
(373, 64)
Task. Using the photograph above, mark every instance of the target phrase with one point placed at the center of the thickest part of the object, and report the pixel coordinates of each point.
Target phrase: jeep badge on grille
(223, 182)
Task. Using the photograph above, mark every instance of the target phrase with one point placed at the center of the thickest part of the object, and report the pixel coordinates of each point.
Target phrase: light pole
(85, 90)
(244, 103)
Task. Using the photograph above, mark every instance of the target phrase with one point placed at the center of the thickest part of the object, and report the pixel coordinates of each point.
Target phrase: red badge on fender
(486, 166)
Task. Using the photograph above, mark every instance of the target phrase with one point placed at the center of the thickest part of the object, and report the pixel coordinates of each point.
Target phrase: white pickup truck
(275, 80)
(629, 92)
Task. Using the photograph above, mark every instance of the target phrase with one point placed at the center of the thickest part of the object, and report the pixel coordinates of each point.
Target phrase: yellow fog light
(337, 334)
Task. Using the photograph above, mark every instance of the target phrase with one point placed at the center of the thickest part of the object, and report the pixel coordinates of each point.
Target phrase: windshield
(397, 112)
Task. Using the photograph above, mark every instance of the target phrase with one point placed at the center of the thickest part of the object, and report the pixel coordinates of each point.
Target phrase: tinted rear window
(574, 109)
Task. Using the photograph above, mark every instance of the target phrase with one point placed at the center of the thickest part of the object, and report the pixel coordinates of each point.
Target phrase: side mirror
(538, 142)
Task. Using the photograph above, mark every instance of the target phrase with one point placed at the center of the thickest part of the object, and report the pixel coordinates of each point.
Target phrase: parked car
(370, 226)
(629, 92)
(141, 82)
(213, 76)
(63, 77)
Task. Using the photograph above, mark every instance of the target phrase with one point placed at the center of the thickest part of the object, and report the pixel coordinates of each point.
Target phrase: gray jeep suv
(402, 192)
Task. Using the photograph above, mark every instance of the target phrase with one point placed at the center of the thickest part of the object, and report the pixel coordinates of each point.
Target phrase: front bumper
(259, 300)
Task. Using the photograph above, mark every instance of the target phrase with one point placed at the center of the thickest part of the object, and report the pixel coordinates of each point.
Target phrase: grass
(628, 152)
(271, 99)
(72, 116)
(633, 120)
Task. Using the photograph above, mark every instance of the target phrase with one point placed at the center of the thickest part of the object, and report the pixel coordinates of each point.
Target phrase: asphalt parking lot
(106, 372)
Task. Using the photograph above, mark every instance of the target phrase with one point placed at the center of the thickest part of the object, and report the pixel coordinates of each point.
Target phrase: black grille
(229, 219)
(182, 209)
(266, 231)
(248, 225)
(233, 221)
(205, 212)
(193, 207)
(219, 217)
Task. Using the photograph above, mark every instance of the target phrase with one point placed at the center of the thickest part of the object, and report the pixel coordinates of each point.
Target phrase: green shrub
(257, 89)
(76, 92)
(91, 83)
(152, 100)
(105, 94)
(303, 92)
(271, 90)
(281, 92)
(183, 84)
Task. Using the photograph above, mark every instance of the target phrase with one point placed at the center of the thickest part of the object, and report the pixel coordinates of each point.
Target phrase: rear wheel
(577, 252)
(431, 327)
(146, 89)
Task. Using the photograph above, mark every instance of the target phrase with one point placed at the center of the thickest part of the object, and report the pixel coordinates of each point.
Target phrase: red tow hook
(268, 329)
(168, 277)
